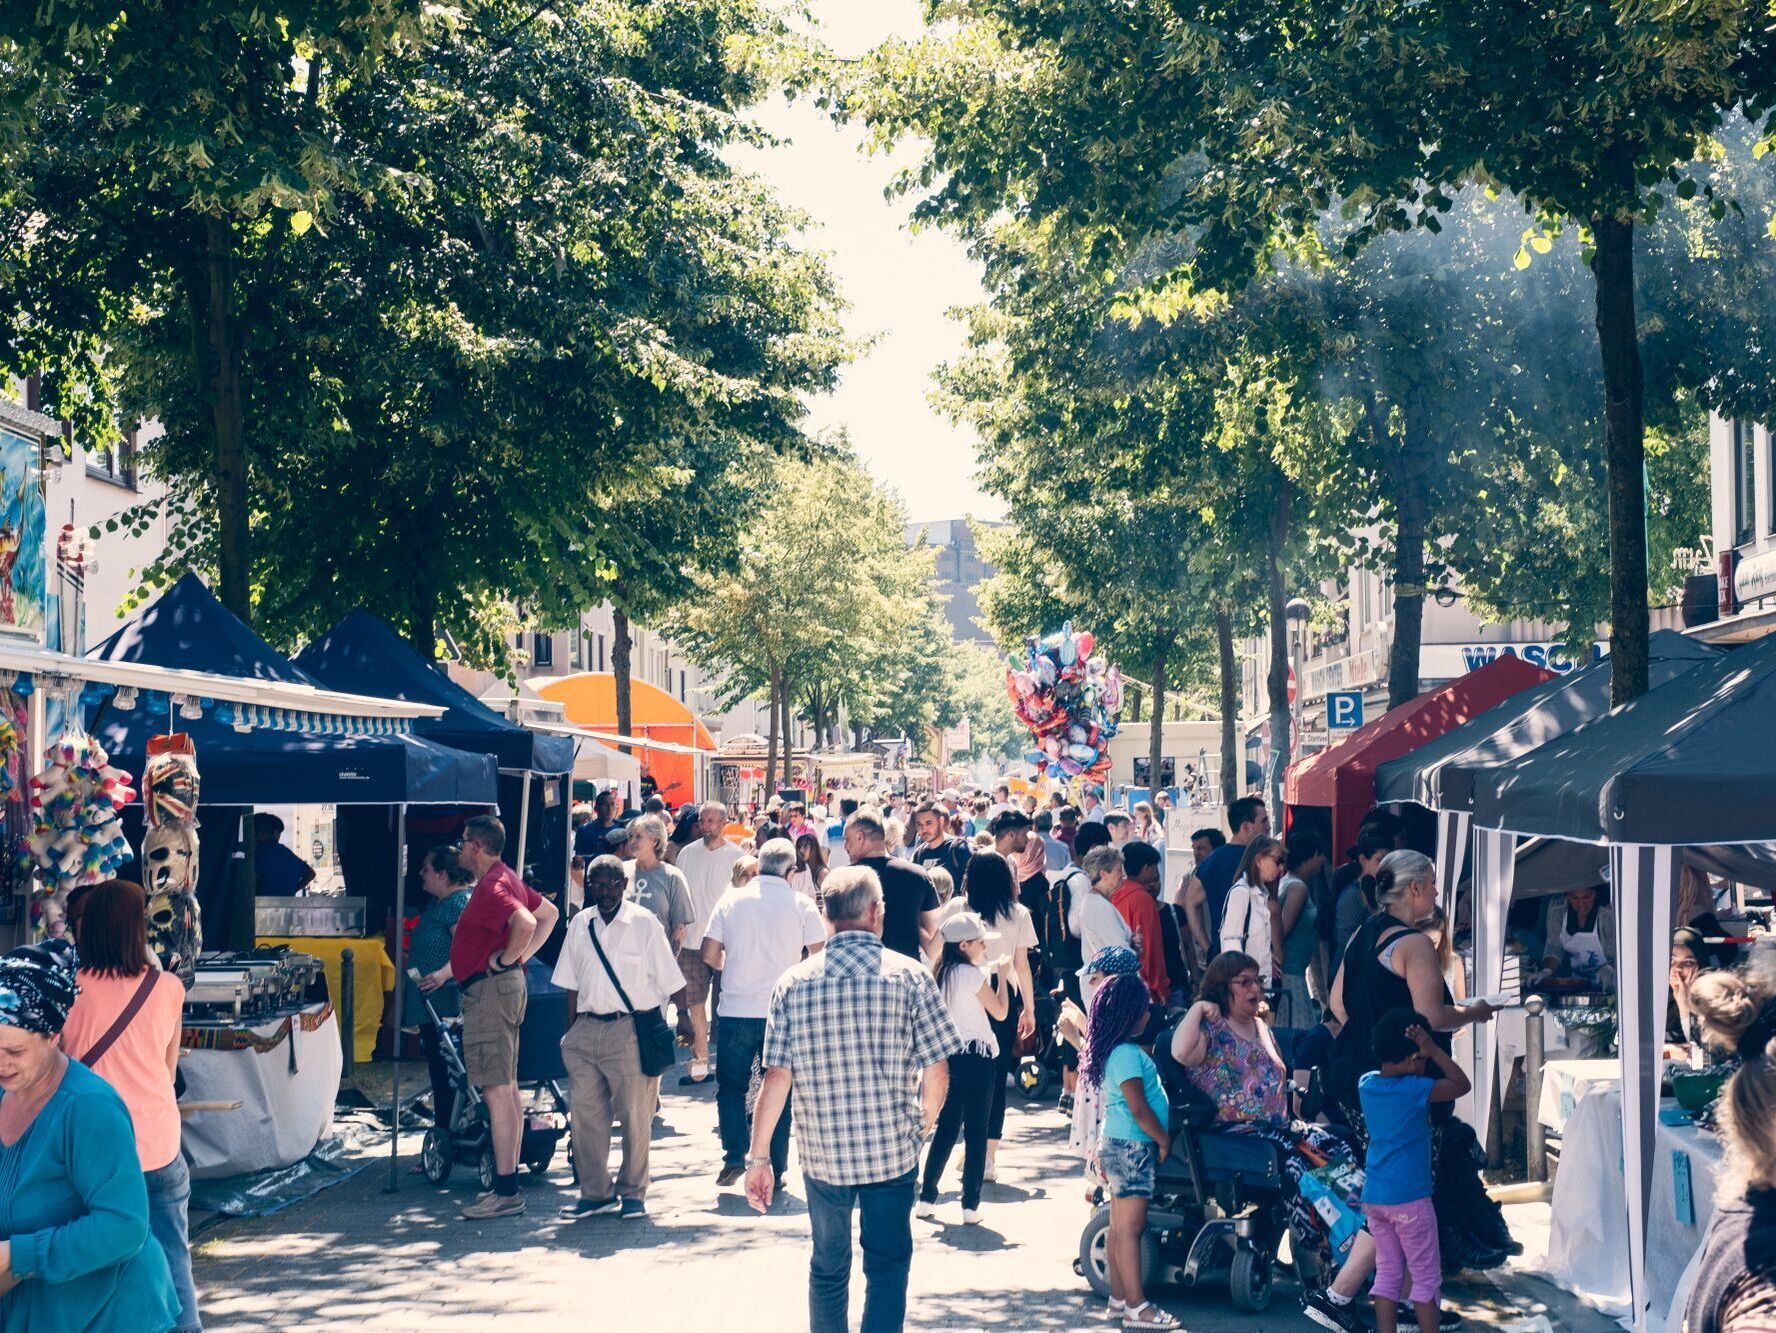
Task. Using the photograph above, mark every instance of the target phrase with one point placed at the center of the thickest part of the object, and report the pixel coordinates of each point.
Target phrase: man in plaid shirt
(851, 1029)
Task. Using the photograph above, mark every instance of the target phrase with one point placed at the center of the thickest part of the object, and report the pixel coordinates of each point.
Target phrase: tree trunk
(1277, 686)
(1411, 506)
(771, 740)
(620, 646)
(228, 418)
(1231, 761)
(1133, 692)
(1156, 729)
(1612, 265)
(423, 633)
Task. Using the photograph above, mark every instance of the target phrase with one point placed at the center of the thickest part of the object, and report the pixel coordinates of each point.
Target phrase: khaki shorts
(492, 1011)
(696, 974)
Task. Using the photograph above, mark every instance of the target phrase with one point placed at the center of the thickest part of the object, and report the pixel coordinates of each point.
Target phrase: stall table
(373, 973)
(1685, 1160)
(1566, 1083)
(283, 1071)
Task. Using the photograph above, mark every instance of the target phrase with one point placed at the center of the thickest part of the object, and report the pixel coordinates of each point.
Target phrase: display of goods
(1070, 699)
(76, 836)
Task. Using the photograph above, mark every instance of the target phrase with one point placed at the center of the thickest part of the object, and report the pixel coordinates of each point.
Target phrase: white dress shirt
(707, 875)
(763, 928)
(636, 944)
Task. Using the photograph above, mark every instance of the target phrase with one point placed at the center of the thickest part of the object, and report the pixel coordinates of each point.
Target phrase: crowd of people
(864, 981)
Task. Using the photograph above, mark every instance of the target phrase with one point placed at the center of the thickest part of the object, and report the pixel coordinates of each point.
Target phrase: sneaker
(730, 1172)
(592, 1208)
(494, 1205)
(1067, 1104)
(634, 1210)
(1327, 1313)
(971, 1217)
(927, 1209)
(1447, 1318)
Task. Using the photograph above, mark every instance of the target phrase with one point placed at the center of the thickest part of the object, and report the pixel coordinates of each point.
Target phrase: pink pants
(1405, 1237)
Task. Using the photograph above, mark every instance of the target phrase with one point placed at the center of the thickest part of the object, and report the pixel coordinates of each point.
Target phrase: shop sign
(1755, 577)
(1446, 661)
(23, 544)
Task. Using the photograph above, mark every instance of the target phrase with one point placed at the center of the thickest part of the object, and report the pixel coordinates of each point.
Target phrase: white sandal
(1115, 1308)
(1154, 1318)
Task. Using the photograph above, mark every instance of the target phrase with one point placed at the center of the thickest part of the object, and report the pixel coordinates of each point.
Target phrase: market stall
(1687, 765)
(1341, 779)
(670, 740)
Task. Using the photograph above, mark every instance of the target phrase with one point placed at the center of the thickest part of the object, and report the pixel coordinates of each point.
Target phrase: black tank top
(1740, 1246)
(1371, 988)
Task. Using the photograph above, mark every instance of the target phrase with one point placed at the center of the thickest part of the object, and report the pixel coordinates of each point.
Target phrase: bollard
(347, 1028)
(1532, 1087)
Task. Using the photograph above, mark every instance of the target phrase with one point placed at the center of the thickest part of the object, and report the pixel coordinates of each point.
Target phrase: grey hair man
(851, 1031)
(707, 866)
(655, 884)
(757, 932)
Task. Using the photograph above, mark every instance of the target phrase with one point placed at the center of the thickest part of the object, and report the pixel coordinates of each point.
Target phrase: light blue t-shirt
(1397, 1112)
(1130, 1061)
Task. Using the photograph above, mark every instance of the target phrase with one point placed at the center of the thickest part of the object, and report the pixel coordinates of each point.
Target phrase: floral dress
(1240, 1075)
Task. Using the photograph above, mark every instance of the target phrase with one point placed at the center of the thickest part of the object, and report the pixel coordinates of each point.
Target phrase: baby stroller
(468, 1137)
(1039, 1072)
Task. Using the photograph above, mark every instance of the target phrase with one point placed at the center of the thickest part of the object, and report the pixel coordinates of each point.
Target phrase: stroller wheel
(486, 1171)
(1248, 1280)
(435, 1155)
(1032, 1078)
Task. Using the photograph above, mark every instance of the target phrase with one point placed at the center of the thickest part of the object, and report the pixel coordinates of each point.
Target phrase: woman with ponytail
(1135, 1137)
(1735, 1289)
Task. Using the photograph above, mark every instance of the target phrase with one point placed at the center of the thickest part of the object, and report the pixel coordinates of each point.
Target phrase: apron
(1584, 950)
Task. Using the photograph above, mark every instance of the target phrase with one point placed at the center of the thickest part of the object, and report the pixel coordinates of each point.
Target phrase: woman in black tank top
(1367, 987)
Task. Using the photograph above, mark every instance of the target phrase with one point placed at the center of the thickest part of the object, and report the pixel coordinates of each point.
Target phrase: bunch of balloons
(1070, 699)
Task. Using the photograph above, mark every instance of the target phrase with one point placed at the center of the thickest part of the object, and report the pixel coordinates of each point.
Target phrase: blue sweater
(74, 1205)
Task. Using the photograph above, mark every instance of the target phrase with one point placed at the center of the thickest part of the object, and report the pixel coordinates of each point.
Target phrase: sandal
(1147, 1315)
(1115, 1309)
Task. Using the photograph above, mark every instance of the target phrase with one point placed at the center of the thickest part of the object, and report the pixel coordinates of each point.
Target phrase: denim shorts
(1130, 1166)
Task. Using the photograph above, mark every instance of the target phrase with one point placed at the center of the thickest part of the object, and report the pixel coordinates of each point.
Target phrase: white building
(1731, 596)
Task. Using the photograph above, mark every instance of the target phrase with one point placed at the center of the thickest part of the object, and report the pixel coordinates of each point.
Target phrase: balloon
(1082, 643)
(1070, 698)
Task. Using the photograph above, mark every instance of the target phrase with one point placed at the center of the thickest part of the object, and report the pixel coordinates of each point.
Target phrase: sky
(900, 285)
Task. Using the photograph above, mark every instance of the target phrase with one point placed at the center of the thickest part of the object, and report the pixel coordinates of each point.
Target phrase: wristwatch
(757, 1161)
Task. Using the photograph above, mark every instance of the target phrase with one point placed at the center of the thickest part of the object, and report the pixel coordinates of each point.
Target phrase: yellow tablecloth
(373, 975)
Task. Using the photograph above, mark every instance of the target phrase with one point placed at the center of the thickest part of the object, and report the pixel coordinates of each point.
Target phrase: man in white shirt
(756, 934)
(708, 867)
(1091, 809)
(600, 1050)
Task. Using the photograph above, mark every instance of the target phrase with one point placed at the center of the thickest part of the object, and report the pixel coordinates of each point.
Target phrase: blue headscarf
(37, 987)
(1115, 960)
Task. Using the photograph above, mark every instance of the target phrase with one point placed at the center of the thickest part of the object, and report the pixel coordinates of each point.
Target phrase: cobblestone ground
(358, 1257)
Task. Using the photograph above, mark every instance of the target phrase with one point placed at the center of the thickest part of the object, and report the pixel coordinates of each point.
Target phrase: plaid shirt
(854, 1025)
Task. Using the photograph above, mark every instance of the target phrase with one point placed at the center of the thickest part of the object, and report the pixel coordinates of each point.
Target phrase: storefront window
(1744, 482)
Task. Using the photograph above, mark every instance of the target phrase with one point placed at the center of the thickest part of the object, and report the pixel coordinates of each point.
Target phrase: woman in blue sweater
(73, 1202)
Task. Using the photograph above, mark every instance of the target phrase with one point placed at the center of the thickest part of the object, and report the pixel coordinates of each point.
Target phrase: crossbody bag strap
(96, 1051)
(609, 971)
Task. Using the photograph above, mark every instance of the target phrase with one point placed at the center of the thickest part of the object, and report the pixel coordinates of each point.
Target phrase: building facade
(1730, 596)
(959, 570)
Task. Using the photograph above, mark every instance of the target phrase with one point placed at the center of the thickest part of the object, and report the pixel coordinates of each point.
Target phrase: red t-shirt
(1138, 908)
(481, 929)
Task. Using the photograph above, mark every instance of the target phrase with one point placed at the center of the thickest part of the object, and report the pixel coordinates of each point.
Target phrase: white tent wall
(1495, 869)
(1452, 855)
(1644, 880)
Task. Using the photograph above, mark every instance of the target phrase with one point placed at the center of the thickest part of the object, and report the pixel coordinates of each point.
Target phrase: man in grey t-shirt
(657, 886)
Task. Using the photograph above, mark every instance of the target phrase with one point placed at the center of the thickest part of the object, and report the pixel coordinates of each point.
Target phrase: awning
(1440, 773)
(593, 759)
(364, 653)
(1343, 776)
(637, 742)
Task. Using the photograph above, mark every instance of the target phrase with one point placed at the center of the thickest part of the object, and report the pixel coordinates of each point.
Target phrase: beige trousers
(605, 1084)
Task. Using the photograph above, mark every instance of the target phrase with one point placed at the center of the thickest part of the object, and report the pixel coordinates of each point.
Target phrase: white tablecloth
(1565, 1084)
(1673, 1242)
(284, 1072)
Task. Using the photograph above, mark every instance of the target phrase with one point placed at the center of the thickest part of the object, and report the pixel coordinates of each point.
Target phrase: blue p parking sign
(1344, 710)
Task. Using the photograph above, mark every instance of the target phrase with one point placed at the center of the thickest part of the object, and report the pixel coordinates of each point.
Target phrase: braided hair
(1118, 1014)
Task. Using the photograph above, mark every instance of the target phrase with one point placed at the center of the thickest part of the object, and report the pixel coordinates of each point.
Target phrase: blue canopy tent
(362, 654)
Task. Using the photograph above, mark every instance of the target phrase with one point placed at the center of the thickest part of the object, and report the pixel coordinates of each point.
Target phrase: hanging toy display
(76, 837)
(1070, 700)
(169, 853)
(11, 740)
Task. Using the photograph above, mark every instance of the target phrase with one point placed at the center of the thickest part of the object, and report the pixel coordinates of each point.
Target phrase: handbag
(657, 1044)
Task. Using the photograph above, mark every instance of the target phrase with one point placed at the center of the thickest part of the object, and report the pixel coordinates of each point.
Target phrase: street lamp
(1295, 615)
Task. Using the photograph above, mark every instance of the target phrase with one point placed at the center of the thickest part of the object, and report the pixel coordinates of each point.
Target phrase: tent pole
(524, 822)
(394, 1180)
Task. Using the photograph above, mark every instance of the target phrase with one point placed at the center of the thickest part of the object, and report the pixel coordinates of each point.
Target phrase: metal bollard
(347, 1028)
(1532, 1087)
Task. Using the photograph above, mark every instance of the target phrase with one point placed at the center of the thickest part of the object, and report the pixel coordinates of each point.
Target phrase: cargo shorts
(492, 1013)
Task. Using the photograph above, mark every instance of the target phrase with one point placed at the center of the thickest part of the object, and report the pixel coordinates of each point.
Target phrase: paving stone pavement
(358, 1257)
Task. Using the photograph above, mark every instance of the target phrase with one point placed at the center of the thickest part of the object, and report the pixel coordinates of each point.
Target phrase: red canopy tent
(1343, 777)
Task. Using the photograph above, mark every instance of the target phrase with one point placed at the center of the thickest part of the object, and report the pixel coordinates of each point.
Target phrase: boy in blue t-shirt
(1397, 1172)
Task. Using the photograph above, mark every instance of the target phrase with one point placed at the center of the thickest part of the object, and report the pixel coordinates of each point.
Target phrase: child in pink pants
(1397, 1172)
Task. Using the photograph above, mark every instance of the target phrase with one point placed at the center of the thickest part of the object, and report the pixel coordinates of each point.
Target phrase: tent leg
(523, 823)
(394, 1180)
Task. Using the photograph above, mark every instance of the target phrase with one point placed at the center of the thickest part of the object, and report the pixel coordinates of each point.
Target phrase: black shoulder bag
(657, 1044)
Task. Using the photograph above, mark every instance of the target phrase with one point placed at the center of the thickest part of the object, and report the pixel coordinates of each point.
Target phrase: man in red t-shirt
(1138, 906)
(505, 922)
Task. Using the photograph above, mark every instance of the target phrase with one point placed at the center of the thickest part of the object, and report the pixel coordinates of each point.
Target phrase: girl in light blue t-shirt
(1134, 1139)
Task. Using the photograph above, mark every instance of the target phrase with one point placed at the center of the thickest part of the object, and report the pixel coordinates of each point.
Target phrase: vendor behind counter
(277, 871)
